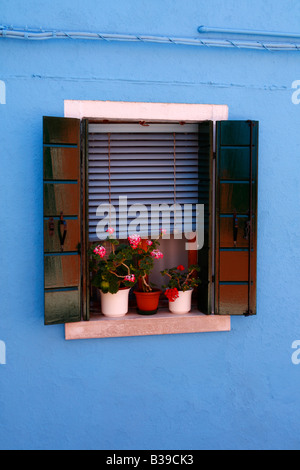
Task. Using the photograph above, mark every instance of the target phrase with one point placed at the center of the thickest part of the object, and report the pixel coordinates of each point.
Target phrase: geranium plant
(145, 254)
(180, 280)
(114, 270)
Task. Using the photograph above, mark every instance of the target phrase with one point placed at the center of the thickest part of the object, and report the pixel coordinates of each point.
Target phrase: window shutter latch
(62, 234)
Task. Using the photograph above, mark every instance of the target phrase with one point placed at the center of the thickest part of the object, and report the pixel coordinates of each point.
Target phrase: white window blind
(149, 165)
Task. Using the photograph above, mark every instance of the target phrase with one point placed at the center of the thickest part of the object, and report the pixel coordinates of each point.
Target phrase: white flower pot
(115, 305)
(183, 304)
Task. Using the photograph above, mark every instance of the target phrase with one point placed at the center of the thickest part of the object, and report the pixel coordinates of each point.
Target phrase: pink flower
(134, 241)
(163, 231)
(149, 242)
(157, 254)
(130, 278)
(100, 250)
(110, 230)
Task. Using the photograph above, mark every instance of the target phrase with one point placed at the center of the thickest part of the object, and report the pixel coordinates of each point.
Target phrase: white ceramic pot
(115, 305)
(183, 304)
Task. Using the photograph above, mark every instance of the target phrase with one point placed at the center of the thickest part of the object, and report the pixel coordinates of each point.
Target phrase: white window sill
(163, 323)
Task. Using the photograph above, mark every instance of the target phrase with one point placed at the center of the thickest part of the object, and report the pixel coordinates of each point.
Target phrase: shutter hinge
(214, 155)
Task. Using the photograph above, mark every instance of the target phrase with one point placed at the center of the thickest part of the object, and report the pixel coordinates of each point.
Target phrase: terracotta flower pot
(147, 302)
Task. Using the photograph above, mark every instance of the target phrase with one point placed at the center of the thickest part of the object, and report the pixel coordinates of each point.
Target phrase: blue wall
(205, 391)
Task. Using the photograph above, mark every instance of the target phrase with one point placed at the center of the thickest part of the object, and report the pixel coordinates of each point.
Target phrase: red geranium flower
(172, 294)
(180, 268)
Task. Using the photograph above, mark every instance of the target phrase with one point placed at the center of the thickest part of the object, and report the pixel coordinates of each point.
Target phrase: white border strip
(153, 112)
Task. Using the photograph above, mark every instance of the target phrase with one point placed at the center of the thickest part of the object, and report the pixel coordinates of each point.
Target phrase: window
(134, 169)
(228, 258)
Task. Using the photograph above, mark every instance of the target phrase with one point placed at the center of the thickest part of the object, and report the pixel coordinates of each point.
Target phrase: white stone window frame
(162, 323)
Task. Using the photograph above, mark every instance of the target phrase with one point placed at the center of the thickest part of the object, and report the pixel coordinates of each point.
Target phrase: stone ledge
(163, 323)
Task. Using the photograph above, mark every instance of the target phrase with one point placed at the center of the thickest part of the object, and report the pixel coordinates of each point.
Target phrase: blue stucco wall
(237, 390)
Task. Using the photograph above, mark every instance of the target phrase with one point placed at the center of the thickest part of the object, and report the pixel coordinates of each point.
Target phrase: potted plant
(113, 275)
(146, 252)
(180, 288)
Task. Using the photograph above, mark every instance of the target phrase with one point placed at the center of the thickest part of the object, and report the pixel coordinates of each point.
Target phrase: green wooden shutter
(236, 217)
(62, 220)
(205, 172)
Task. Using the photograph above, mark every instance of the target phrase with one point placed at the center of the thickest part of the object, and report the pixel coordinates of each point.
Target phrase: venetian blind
(157, 164)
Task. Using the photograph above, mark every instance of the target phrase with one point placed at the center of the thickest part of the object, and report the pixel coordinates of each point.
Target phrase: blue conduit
(42, 35)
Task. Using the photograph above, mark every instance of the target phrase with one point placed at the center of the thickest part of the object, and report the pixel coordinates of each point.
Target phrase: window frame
(156, 128)
(162, 323)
